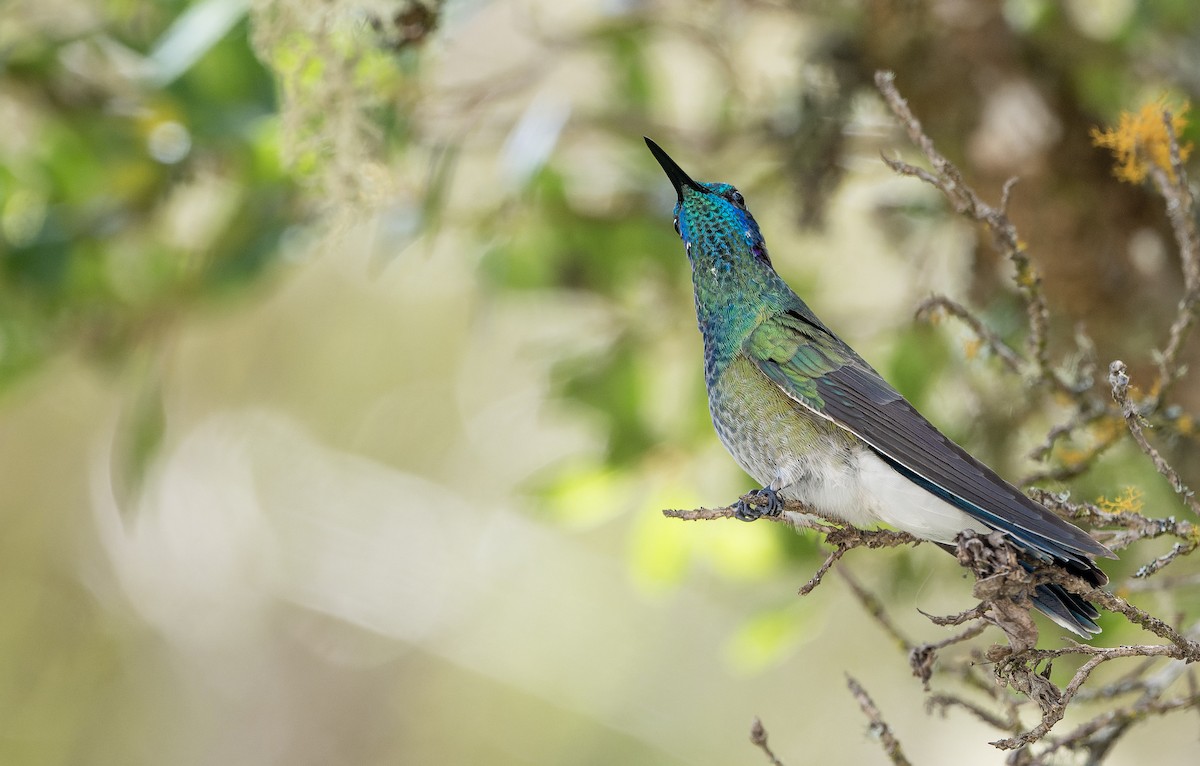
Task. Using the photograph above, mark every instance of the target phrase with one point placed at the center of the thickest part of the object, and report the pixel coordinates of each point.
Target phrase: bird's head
(712, 219)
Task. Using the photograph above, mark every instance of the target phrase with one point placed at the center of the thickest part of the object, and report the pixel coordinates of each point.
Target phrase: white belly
(864, 491)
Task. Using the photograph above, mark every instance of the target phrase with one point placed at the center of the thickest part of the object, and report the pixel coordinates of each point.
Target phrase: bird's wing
(827, 377)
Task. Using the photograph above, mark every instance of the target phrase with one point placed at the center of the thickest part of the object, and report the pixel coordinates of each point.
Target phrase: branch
(1118, 378)
(922, 657)
(1098, 735)
(822, 570)
(879, 727)
(875, 609)
(799, 516)
(758, 736)
(1189, 650)
(1055, 711)
(949, 180)
(794, 513)
(941, 702)
(933, 305)
(1137, 526)
(1087, 415)
(1174, 188)
(1003, 586)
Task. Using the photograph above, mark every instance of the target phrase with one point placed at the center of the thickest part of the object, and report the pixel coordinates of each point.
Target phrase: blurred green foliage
(128, 196)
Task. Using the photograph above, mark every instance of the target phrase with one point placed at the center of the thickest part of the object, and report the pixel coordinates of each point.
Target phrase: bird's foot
(771, 505)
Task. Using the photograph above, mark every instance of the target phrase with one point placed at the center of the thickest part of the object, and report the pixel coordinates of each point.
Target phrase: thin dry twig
(874, 607)
(1087, 415)
(921, 658)
(823, 570)
(1136, 526)
(1098, 735)
(801, 516)
(936, 304)
(879, 727)
(758, 736)
(969, 615)
(1156, 564)
(1174, 188)
(1189, 650)
(942, 702)
(1058, 707)
(949, 180)
(1118, 378)
(1079, 465)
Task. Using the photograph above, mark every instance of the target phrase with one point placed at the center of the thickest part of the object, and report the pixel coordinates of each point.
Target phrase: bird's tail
(1066, 609)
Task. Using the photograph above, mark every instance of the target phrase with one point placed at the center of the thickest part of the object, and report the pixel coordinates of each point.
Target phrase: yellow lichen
(1027, 277)
(1140, 141)
(1106, 429)
(1185, 424)
(1155, 389)
(1069, 456)
(1129, 501)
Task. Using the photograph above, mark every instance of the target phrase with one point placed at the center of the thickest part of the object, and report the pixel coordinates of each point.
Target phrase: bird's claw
(771, 505)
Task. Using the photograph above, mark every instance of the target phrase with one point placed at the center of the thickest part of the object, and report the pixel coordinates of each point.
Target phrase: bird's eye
(737, 198)
(676, 222)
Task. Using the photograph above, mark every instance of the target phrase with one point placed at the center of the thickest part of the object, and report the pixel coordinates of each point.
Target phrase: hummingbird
(812, 421)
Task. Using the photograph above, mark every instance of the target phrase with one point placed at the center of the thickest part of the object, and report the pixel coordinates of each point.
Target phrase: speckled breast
(772, 438)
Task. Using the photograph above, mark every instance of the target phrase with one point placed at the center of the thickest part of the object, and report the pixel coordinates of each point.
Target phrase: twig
(1138, 526)
(879, 727)
(1056, 711)
(1109, 726)
(758, 736)
(940, 303)
(1106, 652)
(1155, 565)
(947, 178)
(796, 514)
(1118, 378)
(1175, 190)
(842, 536)
(822, 570)
(1087, 415)
(974, 613)
(922, 657)
(1189, 650)
(874, 607)
(1131, 681)
(940, 702)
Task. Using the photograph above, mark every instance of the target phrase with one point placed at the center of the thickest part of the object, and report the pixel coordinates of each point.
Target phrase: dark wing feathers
(1066, 608)
(814, 367)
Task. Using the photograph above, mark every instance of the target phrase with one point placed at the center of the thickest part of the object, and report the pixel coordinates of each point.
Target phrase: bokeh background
(347, 357)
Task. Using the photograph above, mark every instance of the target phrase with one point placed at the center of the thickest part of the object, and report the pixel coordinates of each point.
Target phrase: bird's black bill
(673, 171)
